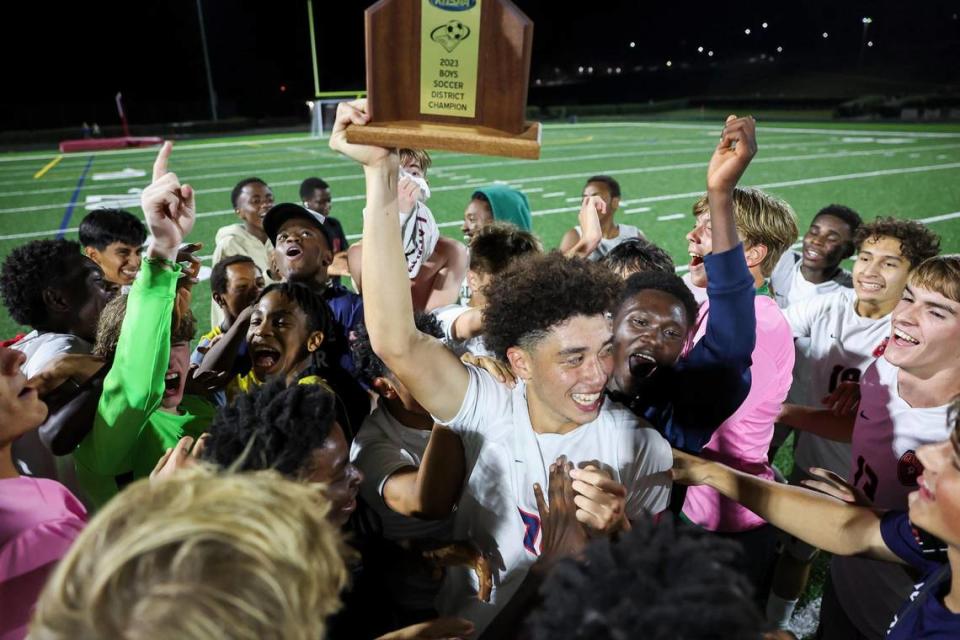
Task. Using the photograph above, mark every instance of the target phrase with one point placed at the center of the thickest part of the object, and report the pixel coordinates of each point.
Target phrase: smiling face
(21, 409)
(120, 261)
(935, 506)
(649, 331)
(826, 243)
(880, 272)
(302, 253)
(330, 464)
(476, 216)
(254, 201)
(566, 372)
(279, 337)
(926, 333)
(176, 377)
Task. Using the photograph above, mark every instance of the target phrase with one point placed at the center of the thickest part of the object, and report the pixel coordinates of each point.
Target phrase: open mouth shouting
(642, 365)
(171, 383)
(265, 359)
(293, 252)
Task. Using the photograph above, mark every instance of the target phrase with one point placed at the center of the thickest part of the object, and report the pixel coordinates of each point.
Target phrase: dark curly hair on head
(274, 427)
(657, 582)
(238, 188)
(634, 255)
(497, 244)
(368, 363)
(917, 242)
(537, 292)
(318, 313)
(102, 227)
(31, 268)
(669, 283)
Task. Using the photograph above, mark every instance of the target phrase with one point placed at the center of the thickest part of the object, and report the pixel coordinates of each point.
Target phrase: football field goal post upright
(323, 108)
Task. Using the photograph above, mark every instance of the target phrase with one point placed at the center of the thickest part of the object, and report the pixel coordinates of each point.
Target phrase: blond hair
(940, 274)
(419, 156)
(200, 555)
(761, 219)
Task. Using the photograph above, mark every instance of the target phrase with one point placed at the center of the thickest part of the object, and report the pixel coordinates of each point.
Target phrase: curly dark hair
(669, 283)
(917, 242)
(369, 365)
(842, 212)
(102, 227)
(634, 255)
(274, 427)
(537, 292)
(495, 246)
(319, 317)
(657, 582)
(218, 275)
(238, 188)
(29, 270)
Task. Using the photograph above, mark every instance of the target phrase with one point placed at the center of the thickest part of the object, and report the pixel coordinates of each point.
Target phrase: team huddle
(487, 439)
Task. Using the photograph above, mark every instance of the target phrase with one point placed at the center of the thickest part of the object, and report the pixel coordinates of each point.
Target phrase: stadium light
(867, 20)
(669, 63)
(764, 25)
(579, 69)
(870, 43)
(617, 69)
(779, 49)
(589, 69)
(746, 31)
(710, 53)
(633, 44)
(609, 70)
(825, 35)
(699, 49)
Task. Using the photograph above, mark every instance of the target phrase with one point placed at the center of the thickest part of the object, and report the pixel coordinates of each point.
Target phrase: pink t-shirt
(39, 520)
(743, 440)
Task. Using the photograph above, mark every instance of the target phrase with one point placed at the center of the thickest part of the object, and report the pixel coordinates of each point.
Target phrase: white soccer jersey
(446, 316)
(505, 457)
(884, 465)
(833, 345)
(790, 287)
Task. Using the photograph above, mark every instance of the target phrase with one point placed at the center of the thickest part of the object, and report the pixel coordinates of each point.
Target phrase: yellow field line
(47, 167)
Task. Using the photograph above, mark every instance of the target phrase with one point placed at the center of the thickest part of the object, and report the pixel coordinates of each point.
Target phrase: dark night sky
(72, 62)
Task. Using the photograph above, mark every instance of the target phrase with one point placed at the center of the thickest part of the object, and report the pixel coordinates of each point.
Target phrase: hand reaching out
(844, 400)
(833, 485)
(738, 145)
(689, 469)
(169, 207)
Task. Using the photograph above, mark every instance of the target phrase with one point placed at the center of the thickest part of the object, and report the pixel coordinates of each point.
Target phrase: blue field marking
(73, 200)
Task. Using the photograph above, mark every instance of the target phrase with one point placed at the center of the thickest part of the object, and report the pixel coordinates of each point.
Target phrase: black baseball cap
(280, 213)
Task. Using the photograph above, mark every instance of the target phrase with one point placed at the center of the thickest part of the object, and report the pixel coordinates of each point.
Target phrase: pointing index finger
(160, 164)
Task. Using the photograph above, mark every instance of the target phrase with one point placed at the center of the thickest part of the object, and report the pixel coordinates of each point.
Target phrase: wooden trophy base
(408, 134)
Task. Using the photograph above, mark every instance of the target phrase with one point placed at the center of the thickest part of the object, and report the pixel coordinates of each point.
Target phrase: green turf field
(904, 170)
